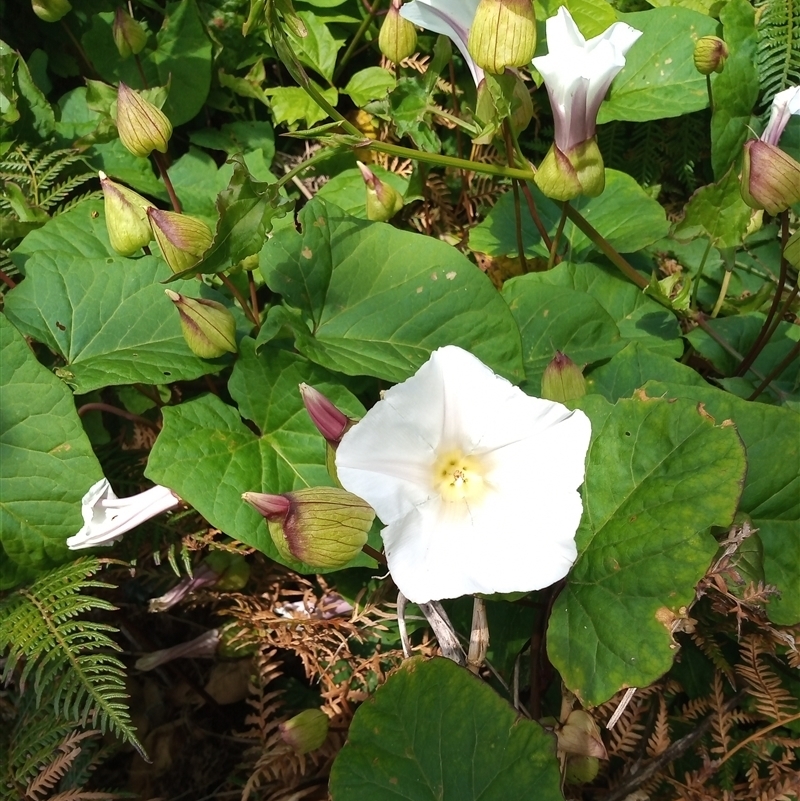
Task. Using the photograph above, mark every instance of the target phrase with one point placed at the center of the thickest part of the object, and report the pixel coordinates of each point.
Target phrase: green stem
(726, 279)
(470, 129)
(362, 29)
(725, 345)
(700, 269)
(790, 357)
(320, 155)
(557, 238)
(583, 225)
(518, 225)
(710, 94)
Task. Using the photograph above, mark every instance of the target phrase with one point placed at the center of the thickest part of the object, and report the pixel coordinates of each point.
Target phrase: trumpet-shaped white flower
(453, 18)
(784, 105)
(106, 518)
(475, 480)
(578, 73)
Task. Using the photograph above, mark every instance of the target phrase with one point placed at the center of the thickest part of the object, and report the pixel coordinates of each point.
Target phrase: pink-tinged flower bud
(503, 34)
(580, 741)
(770, 177)
(142, 127)
(51, 10)
(330, 421)
(325, 527)
(398, 37)
(563, 380)
(129, 36)
(202, 647)
(208, 327)
(792, 250)
(126, 217)
(305, 732)
(710, 54)
(564, 176)
(383, 201)
(182, 239)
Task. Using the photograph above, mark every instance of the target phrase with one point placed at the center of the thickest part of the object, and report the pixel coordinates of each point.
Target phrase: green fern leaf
(67, 656)
(778, 53)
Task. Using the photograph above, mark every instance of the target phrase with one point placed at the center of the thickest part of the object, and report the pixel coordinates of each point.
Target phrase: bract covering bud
(770, 177)
(305, 732)
(51, 10)
(563, 380)
(129, 36)
(383, 201)
(581, 736)
(503, 34)
(126, 217)
(181, 238)
(208, 327)
(398, 37)
(142, 126)
(325, 527)
(564, 176)
(330, 421)
(710, 54)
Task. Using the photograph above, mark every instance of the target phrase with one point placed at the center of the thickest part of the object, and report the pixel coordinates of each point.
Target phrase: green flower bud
(563, 380)
(129, 36)
(126, 217)
(398, 37)
(770, 177)
(182, 239)
(51, 10)
(564, 176)
(710, 54)
(208, 327)
(581, 770)
(142, 126)
(792, 250)
(305, 732)
(325, 527)
(383, 201)
(503, 34)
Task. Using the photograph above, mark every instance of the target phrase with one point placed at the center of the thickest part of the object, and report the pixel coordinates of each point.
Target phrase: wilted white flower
(106, 518)
(452, 18)
(578, 73)
(475, 480)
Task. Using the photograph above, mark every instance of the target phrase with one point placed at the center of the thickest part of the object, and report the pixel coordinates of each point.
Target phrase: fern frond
(771, 698)
(778, 52)
(67, 655)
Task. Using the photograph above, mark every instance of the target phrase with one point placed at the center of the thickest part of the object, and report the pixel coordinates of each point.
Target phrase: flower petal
(784, 105)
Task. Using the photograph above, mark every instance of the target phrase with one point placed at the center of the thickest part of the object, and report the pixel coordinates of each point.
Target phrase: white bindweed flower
(453, 18)
(578, 73)
(106, 518)
(784, 105)
(475, 481)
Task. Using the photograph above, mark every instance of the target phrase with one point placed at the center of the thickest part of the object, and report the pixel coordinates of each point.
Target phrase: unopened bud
(503, 34)
(142, 126)
(710, 54)
(126, 217)
(208, 327)
(564, 176)
(129, 36)
(51, 10)
(398, 37)
(383, 201)
(324, 527)
(581, 770)
(770, 177)
(181, 238)
(563, 380)
(580, 736)
(329, 420)
(305, 732)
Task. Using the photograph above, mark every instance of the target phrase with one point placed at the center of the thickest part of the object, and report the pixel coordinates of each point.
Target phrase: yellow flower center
(457, 477)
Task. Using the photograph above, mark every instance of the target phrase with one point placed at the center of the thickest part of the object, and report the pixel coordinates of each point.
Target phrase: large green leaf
(209, 456)
(659, 475)
(771, 495)
(317, 49)
(181, 59)
(624, 214)
(435, 732)
(46, 463)
(375, 300)
(735, 89)
(659, 79)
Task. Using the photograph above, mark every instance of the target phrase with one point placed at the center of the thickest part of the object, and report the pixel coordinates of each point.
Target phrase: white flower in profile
(106, 518)
(784, 105)
(475, 481)
(452, 18)
(578, 73)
